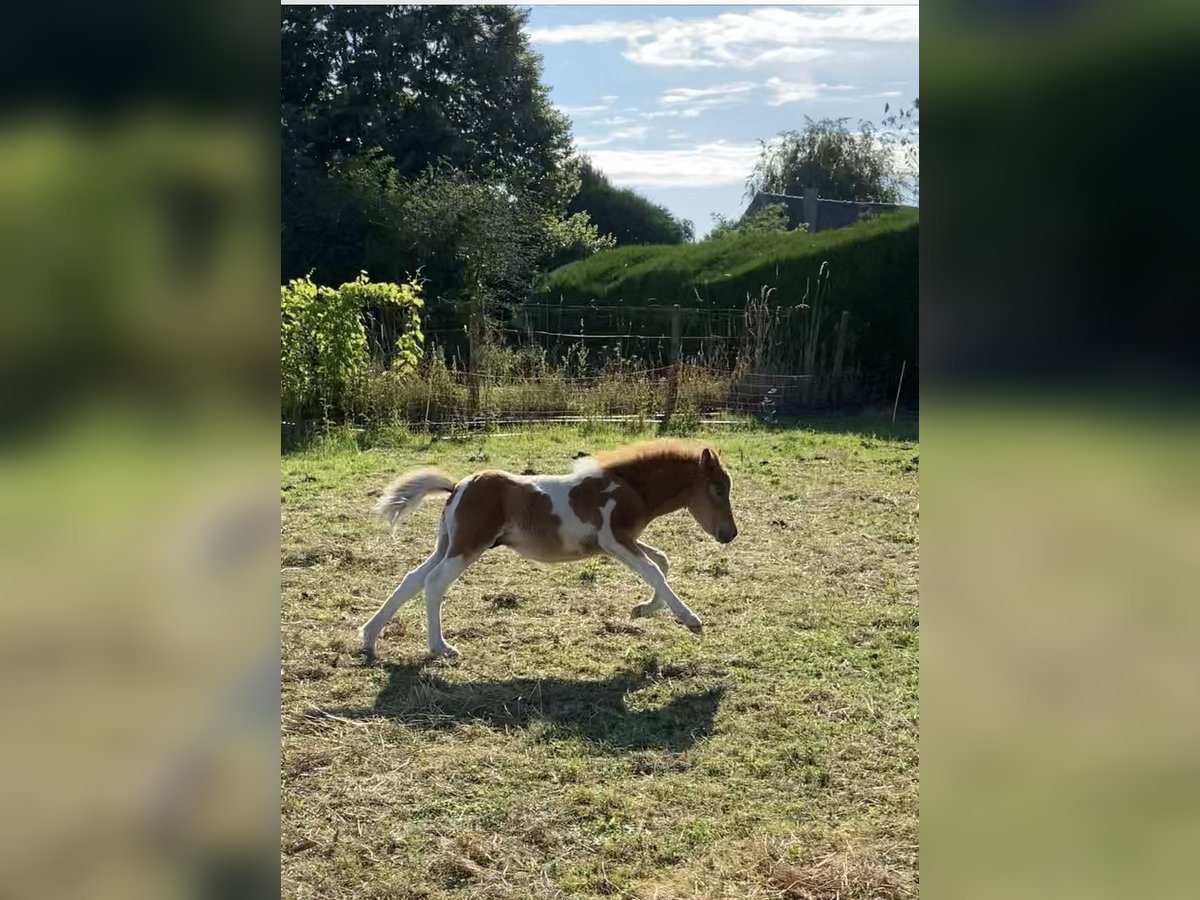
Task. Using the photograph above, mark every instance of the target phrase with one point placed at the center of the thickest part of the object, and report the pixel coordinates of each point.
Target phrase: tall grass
(782, 364)
(803, 341)
(525, 385)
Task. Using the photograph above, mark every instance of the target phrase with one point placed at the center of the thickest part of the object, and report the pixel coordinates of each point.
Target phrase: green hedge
(874, 273)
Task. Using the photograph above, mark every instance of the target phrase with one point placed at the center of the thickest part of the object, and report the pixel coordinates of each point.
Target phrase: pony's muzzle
(726, 533)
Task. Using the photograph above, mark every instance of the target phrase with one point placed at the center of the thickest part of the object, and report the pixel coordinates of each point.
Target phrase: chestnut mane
(645, 451)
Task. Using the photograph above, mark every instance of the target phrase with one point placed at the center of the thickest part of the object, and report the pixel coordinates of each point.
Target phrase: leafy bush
(771, 219)
(324, 352)
(389, 296)
(575, 237)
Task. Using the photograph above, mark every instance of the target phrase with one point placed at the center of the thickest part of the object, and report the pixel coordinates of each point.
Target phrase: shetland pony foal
(601, 507)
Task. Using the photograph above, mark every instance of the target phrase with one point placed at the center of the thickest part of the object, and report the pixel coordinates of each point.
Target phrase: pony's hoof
(639, 611)
(366, 648)
(695, 626)
(445, 651)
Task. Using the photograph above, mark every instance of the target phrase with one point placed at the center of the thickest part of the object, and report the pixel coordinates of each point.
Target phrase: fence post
(474, 356)
(676, 334)
(810, 209)
(673, 375)
(839, 351)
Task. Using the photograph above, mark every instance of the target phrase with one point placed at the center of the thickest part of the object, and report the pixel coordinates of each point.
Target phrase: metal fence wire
(641, 364)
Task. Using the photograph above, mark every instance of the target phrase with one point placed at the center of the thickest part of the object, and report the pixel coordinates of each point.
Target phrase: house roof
(830, 213)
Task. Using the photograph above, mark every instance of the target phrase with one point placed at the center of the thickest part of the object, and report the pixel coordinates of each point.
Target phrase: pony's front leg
(641, 563)
(655, 602)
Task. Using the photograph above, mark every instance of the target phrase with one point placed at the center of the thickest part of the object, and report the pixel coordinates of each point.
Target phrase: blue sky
(673, 100)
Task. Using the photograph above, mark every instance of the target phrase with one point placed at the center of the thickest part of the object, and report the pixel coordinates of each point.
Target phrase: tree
(472, 237)
(423, 88)
(840, 164)
(424, 84)
(902, 131)
(628, 216)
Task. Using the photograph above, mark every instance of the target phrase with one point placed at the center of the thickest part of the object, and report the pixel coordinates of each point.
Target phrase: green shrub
(771, 219)
(362, 294)
(324, 355)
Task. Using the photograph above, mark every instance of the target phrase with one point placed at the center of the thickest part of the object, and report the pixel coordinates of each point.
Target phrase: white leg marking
(436, 584)
(655, 602)
(650, 573)
(412, 583)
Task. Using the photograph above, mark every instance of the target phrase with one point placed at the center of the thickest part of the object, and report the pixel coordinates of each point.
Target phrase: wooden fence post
(811, 209)
(839, 351)
(673, 375)
(676, 334)
(474, 356)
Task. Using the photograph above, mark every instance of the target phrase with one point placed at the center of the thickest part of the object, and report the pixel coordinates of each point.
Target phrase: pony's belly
(548, 551)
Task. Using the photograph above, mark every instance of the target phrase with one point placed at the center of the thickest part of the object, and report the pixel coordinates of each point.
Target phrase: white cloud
(790, 56)
(687, 112)
(582, 111)
(685, 95)
(744, 40)
(782, 92)
(615, 120)
(705, 165)
(636, 133)
(790, 91)
(590, 32)
(689, 103)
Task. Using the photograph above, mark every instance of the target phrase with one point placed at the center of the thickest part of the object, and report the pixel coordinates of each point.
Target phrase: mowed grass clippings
(572, 751)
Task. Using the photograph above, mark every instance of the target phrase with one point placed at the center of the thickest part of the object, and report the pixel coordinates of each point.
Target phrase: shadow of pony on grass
(595, 710)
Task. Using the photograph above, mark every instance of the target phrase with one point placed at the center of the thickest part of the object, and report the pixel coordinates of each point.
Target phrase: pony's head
(709, 503)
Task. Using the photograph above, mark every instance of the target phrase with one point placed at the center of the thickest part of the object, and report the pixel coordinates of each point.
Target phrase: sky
(673, 100)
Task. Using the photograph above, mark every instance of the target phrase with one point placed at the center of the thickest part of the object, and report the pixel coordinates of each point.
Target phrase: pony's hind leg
(436, 583)
(412, 583)
(655, 602)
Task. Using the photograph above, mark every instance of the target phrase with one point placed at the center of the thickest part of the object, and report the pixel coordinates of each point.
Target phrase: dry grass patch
(851, 869)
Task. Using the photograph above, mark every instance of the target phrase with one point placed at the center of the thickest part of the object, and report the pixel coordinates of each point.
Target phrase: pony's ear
(708, 459)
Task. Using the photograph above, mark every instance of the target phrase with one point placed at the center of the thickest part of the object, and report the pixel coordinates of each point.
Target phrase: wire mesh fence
(643, 365)
(687, 395)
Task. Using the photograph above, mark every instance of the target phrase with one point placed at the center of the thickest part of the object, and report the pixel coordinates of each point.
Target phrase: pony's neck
(664, 484)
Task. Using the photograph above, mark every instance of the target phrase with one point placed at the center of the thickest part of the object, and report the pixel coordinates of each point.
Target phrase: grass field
(571, 751)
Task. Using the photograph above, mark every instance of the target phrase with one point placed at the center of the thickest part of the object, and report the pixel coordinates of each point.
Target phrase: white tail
(405, 494)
